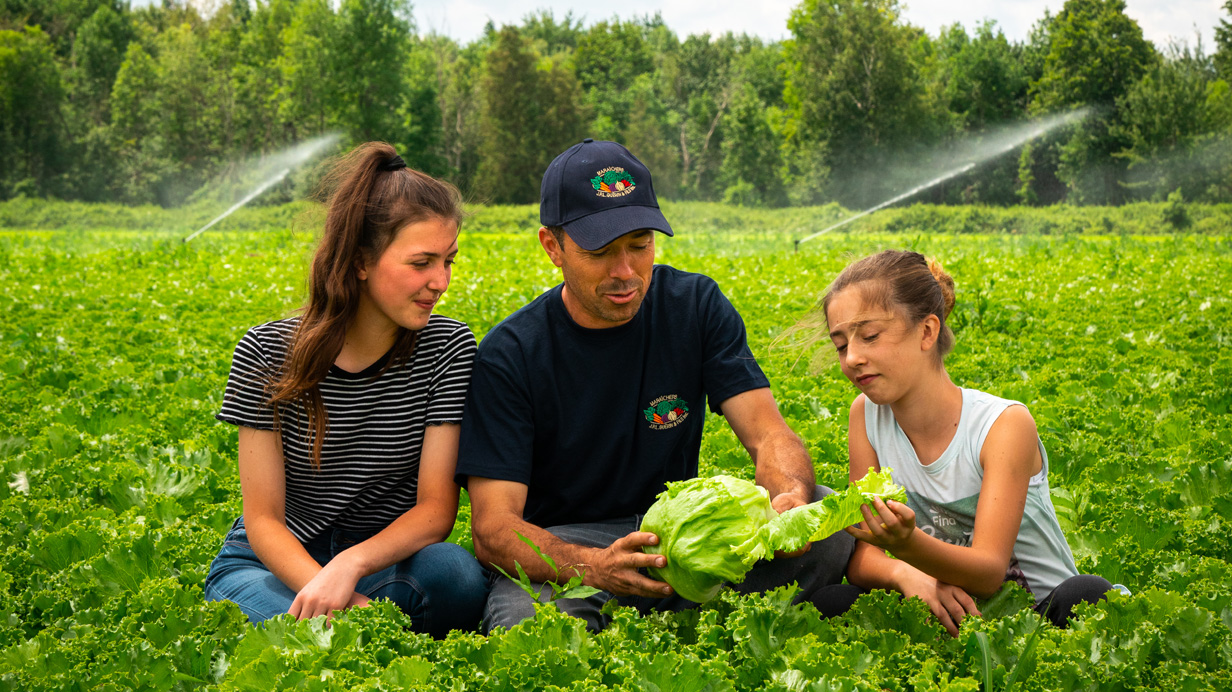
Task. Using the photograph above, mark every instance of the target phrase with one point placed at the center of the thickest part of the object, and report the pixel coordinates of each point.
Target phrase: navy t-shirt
(595, 421)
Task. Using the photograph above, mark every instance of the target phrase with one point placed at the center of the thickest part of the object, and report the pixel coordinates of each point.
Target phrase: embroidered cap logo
(613, 181)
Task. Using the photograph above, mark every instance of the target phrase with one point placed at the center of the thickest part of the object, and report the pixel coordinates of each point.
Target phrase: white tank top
(944, 494)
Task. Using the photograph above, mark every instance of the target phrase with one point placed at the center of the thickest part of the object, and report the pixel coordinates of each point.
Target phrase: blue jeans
(441, 587)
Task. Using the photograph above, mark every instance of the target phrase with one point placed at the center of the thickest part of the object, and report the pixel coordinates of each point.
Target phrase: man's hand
(615, 568)
(949, 603)
(781, 503)
(891, 528)
(333, 588)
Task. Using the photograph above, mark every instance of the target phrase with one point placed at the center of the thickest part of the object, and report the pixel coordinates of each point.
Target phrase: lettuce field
(119, 484)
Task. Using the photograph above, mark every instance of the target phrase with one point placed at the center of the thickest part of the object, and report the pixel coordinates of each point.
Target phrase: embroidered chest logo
(666, 412)
(613, 181)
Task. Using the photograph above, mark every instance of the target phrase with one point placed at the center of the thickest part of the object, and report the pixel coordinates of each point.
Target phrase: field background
(1111, 324)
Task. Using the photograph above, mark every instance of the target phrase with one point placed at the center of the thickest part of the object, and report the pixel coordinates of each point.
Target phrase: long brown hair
(368, 203)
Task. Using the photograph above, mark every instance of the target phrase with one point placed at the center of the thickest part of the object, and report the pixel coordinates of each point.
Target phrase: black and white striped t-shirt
(370, 459)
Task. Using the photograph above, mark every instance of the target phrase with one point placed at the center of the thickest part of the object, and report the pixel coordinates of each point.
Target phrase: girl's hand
(333, 588)
(891, 527)
(949, 603)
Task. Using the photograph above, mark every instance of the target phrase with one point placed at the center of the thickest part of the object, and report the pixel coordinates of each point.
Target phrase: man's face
(605, 287)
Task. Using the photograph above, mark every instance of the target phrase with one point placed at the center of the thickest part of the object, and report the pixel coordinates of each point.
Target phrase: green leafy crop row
(116, 482)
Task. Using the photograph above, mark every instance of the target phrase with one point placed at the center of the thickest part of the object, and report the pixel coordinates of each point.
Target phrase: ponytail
(372, 195)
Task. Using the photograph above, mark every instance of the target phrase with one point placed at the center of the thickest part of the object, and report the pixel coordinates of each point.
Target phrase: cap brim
(593, 231)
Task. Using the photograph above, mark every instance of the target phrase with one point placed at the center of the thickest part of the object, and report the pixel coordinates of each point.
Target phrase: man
(585, 402)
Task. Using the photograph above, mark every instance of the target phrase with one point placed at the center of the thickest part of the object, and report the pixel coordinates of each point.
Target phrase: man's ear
(548, 240)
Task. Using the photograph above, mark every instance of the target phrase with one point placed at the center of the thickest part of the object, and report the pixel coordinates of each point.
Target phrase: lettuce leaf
(707, 529)
(713, 530)
(796, 527)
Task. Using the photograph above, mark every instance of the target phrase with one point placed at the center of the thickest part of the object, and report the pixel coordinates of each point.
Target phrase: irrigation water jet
(281, 164)
(996, 145)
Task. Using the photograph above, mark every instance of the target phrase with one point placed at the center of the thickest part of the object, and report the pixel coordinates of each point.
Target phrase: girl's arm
(870, 568)
(428, 522)
(263, 487)
(1010, 457)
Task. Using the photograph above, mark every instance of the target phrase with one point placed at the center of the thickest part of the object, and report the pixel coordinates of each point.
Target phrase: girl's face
(407, 280)
(878, 350)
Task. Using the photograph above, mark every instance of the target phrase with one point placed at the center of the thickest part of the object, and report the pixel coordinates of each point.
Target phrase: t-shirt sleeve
(728, 366)
(244, 401)
(497, 437)
(450, 378)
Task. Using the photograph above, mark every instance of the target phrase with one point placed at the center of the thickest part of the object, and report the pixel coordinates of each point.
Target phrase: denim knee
(441, 588)
(238, 575)
(446, 570)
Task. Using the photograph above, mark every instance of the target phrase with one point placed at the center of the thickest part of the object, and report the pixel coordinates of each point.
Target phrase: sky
(1159, 19)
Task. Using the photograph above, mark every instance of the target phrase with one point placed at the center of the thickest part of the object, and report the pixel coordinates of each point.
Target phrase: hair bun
(946, 282)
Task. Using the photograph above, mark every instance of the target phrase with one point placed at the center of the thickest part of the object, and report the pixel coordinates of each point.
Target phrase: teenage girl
(349, 414)
(978, 511)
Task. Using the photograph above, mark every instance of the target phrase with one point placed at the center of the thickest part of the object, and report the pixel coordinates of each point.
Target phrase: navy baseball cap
(598, 191)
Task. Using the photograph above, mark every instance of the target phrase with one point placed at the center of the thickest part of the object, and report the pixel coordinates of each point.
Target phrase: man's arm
(783, 466)
(496, 521)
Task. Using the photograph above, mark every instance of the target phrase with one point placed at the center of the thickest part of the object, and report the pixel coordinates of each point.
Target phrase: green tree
(1038, 161)
(256, 77)
(188, 117)
(1176, 121)
(140, 163)
(31, 124)
(459, 72)
(308, 98)
(985, 82)
(549, 35)
(648, 134)
(609, 57)
(854, 90)
(751, 159)
(98, 51)
(60, 20)
(701, 78)
(371, 43)
(531, 111)
(89, 73)
(1223, 45)
(1096, 52)
(420, 137)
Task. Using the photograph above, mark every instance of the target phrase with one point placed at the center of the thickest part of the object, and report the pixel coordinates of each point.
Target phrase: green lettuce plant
(713, 530)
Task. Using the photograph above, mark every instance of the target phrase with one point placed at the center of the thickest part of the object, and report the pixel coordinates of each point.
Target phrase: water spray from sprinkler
(260, 188)
(281, 164)
(1005, 141)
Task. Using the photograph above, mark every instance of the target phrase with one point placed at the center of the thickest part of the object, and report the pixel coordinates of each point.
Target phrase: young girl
(976, 473)
(348, 418)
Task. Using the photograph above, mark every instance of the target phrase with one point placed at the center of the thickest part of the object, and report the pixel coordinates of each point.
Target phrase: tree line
(101, 101)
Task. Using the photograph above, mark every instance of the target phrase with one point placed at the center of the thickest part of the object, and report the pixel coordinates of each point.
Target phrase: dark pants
(817, 572)
(1058, 605)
